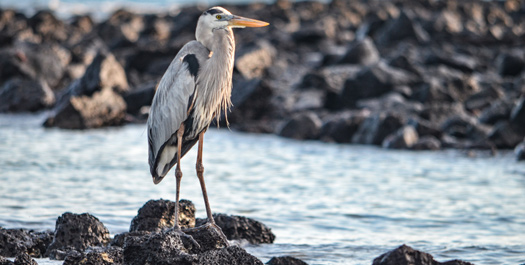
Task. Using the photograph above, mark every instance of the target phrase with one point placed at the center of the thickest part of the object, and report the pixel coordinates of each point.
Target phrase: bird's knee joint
(200, 168)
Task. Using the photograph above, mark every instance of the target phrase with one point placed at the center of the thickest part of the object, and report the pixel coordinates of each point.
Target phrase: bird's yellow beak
(241, 22)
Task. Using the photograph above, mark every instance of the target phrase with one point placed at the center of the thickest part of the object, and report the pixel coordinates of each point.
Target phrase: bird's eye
(218, 16)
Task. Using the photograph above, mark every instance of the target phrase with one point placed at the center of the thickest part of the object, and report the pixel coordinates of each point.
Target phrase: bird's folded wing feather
(171, 102)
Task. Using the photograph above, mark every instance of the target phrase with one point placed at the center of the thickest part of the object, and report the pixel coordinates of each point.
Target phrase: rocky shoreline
(404, 74)
(83, 239)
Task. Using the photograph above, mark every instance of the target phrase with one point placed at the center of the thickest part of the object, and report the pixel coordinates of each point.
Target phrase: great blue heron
(195, 89)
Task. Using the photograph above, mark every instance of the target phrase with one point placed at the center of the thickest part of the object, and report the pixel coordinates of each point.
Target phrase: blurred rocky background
(404, 74)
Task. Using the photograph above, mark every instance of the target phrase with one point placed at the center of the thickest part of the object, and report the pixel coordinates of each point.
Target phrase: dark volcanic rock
(78, 231)
(140, 97)
(25, 95)
(103, 108)
(403, 27)
(404, 138)
(253, 59)
(341, 128)
(285, 260)
(363, 52)
(4, 261)
(405, 255)
(157, 215)
(24, 259)
(157, 248)
(517, 116)
(520, 151)
(510, 64)
(503, 135)
(170, 247)
(97, 256)
(242, 228)
(428, 142)
(93, 100)
(374, 81)
(302, 126)
(499, 110)
(375, 128)
(15, 241)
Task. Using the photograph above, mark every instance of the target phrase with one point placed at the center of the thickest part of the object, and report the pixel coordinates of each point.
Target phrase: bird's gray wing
(170, 107)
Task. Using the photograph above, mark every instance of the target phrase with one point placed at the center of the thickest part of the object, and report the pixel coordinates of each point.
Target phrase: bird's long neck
(217, 73)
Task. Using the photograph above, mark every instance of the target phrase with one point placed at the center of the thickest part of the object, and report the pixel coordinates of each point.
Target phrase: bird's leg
(200, 175)
(178, 175)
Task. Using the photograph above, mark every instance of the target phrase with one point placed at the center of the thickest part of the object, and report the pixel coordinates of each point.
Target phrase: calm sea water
(326, 203)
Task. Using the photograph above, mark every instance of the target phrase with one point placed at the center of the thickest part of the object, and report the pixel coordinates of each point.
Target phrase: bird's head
(220, 18)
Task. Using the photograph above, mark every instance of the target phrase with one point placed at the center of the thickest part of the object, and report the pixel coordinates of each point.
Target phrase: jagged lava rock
(78, 231)
(302, 126)
(405, 255)
(363, 52)
(285, 260)
(93, 100)
(16, 241)
(4, 261)
(404, 138)
(24, 259)
(97, 256)
(374, 129)
(242, 228)
(18, 95)
(157, 215)
(520, 151)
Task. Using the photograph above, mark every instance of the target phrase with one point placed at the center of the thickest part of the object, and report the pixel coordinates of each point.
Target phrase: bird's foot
(185, 238)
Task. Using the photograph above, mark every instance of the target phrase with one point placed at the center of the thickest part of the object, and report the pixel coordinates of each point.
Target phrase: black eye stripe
(213, 11)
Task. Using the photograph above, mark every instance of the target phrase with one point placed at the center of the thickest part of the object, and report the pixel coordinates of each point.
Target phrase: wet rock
(463, 126)
(425, 128)
(15, 241)
(140, 97)
(97, 256)
(103, 108)
(121, 29)
(18, 95)
(251, 101)
(78, 231)
(32, 61)
(391, 102)
(374, 81)
(45, 24)
(405, 255)
(341, 128)
(242, 228)
(157, 248)
(253, 59)
(363, 52)
(230, 255)
(517, 116)
(157, 215)
(285, 260)
(520, 151)
(510, 64)
(302, 126)
(499, 110)
(504, 135)
(482, 99)
(374, 129)
(4, 261)
(404, 138)
(24, 259)
(93, 100)
(401, 28)
(428, 142)
(461, 62)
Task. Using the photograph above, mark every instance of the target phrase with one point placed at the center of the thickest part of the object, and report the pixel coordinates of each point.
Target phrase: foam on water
(326, 203)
